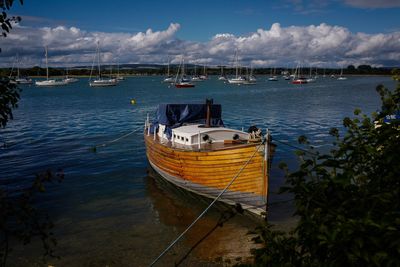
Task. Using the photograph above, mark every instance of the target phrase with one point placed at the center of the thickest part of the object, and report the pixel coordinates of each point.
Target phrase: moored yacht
(49, 82)
(189, 146)
(101, 81)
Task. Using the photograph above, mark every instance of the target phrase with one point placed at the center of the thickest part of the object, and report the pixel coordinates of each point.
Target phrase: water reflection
(207, 239)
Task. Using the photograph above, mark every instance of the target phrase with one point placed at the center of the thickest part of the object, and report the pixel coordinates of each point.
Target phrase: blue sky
(196, 24)
(200, 20)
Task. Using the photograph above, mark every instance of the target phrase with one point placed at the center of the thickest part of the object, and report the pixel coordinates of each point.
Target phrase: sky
(323, 33)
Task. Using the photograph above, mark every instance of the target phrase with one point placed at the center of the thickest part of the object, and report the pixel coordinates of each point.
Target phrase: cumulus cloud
(318, 45)
(70, 45)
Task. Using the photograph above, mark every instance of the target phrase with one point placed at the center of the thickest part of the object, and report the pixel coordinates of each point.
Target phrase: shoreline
(212, 75)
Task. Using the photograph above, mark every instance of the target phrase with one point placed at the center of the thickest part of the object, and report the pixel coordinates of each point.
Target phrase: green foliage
(9, 96)
(347, 202)
(5, 21)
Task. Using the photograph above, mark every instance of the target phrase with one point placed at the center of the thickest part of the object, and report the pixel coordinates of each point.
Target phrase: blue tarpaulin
(175, 115)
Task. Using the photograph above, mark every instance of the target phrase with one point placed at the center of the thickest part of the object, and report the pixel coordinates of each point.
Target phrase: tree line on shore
(142, 69)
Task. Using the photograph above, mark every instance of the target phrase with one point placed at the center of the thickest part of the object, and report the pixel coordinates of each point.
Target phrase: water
(110, 210)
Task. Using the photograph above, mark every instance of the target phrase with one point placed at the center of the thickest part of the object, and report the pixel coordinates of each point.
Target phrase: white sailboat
(238, 79)
(204, 76)
(69, 79)
(18, 79)
(273, 78)
(169, 78)
(311, 79)
(49, 82)
(341, 77)
(119, 78)
(196, 78)
(222, 77)
(250, 78)
(100, 81)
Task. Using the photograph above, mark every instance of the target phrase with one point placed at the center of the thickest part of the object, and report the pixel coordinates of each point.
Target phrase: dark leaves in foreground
(347, 202)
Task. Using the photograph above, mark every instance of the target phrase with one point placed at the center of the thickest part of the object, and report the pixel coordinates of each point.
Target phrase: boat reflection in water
(206, 241)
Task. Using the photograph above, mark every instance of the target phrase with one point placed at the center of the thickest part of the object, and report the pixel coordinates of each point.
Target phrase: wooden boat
(189, 147)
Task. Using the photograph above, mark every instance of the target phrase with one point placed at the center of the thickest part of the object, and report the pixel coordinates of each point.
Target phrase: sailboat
(169, 78)
(100, 81)
(69, 79)
(18, 79)
(310, 78)
(196, 78)
(250, 78)
(273, 78)
(49, 82)
(119, 78)
(204, 76)
(341, 77)
(297, 78)
(238, 79)
(180, 80)
(222, 77)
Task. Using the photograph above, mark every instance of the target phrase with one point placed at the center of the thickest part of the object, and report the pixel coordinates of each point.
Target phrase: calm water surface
(111, 209)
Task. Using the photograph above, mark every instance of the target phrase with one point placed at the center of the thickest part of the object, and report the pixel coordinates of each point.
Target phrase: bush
(347, 201)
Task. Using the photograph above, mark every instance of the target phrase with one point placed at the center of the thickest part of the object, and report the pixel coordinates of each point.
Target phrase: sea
(111, 209)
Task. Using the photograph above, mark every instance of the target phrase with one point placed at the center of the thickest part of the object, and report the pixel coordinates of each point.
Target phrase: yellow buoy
(133, 101)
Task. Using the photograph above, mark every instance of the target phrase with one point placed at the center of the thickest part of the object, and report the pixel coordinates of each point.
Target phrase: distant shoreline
(212, 75)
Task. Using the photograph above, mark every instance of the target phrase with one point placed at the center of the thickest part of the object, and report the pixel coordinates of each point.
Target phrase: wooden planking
(211, 168)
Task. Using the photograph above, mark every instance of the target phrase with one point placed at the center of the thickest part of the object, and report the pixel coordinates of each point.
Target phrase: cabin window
(182, 138)
(187, 140)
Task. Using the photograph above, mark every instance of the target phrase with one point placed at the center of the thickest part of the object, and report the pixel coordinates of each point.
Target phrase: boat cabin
(197, 134)
(194, 126)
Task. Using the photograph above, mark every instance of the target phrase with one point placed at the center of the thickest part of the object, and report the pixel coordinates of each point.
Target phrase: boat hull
(299, 82)
(50, 83)
(184, 85)
(103, 83)
(208, 172)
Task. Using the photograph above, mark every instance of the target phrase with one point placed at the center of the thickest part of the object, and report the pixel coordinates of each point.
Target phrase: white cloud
(373, 3)
(322, 45)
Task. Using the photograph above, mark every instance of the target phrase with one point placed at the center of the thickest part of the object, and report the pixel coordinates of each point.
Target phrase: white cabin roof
(194, 129)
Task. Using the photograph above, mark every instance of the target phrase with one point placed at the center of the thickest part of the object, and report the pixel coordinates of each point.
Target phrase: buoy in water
(133, 101)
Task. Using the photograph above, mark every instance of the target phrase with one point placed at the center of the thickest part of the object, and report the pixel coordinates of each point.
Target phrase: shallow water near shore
(111, 209)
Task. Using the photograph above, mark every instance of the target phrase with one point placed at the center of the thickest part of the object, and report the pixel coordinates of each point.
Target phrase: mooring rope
(296, 147)
(94, 148)
(209, 206)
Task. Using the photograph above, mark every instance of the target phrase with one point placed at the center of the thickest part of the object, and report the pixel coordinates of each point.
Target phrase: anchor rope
(209, 206)
(296, 147)
(115, 140)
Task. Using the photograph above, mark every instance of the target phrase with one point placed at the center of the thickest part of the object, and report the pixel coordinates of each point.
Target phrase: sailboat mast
(183, 68)
(98, 58)
(237, 65)
(47, 64)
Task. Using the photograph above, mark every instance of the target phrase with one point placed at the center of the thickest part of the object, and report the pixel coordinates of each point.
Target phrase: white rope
(115, 140)
(209, 206)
